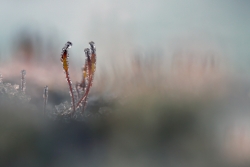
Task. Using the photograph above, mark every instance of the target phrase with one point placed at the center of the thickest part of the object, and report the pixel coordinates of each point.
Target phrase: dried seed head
(67, 45)
(92, 47)
(65, 55)
(87, 52)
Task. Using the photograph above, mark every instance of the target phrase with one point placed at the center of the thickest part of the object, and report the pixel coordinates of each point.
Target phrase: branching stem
(64, 60)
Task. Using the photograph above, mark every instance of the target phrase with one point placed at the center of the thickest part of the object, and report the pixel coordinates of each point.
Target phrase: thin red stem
(84, 97)
(70, 90)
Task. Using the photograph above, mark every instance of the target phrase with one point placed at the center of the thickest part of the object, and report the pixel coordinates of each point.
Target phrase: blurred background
(173, 74)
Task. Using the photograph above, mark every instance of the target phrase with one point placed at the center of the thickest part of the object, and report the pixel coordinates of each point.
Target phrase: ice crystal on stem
(63, 111)
(23, 87)
(45, 97)
(64, 60)
(23, 81)
(1, 79)
(11, 93)
(80, 92)
(88, 73)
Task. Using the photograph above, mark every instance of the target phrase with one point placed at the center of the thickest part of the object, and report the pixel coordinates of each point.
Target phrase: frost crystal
(45, 96)
(78, 92)
(23, 81)
(63, 108)
(11, 94)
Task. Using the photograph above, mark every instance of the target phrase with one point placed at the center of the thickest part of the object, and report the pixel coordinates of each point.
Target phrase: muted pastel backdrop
(120, 27)
(171, 88)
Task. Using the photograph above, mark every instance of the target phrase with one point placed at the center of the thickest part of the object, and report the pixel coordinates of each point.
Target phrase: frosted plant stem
(77, 99)
(90, 66)
(77, 90)
(1, 79)
(83, 100)
(64, 60)
(45, 97)
(70, 90)
(23, 81)
(75, 94)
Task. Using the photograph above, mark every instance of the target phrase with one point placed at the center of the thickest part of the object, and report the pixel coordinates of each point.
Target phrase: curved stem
(84, 98)
(70, 90)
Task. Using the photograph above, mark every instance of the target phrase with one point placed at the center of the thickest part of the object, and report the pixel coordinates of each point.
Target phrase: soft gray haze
(120, 27)
(171, 86)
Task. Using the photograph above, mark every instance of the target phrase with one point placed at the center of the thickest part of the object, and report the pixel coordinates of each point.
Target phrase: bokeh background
(171, 88)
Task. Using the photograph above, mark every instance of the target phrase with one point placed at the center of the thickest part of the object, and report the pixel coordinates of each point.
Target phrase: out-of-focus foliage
(143, 129)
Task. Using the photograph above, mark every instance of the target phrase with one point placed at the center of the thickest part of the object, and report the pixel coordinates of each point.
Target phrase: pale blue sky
(128, 24)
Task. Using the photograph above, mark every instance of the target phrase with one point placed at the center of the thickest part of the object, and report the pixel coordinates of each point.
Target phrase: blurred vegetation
(143, 110)
(146, 128)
